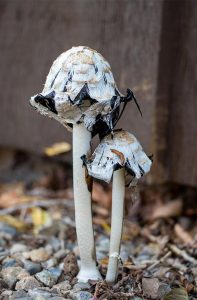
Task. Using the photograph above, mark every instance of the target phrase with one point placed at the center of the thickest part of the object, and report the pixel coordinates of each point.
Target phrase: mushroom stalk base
(118, 193)
(83, 208)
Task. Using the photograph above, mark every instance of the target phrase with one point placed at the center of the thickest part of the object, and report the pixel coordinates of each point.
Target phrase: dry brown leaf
(177, 294)
(57, 148)
(170, 209)
(101, 196)
(14, 222)
(183, 235)
(13, 194)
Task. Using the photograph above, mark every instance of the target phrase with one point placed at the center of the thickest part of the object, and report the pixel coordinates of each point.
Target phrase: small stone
(52, 262)
(27, 283)
(18, 248)
(82, 286)
(57, 298)
(60, 254)
(70, 265)
(49, 277)
(42, 294)
(150, 287)
(37, 255)
(164, 288)
(62, 288)
(81, 295)
(6, 294)
(19, 295)
(55, 243)
(3, 284)
(8, 230)
(32, 267)
(2, 242)
(12, 274)
(10, 262)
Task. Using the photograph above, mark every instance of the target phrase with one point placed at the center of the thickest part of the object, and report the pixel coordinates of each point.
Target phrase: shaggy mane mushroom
(117, 153)
(80, 93)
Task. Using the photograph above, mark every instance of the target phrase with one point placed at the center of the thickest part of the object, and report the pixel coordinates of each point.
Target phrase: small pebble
(18, 248)
(32, 267)
(12, 274)
(81, 295)
(2, 242)
(150, 287)
(52, 262)
(19, 295)
(60, 254)
(9, 231)
(62, 287)
(70, 265)
(27, 283)
(10, 262)
(37, 255)
(41, 293)
(55, 243)
(6, 294)
(81, 286)
(3, 284)
(164, 288)
(49, 277)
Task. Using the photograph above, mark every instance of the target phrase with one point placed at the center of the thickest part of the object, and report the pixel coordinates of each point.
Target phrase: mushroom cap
(80, 87)
(118, 150)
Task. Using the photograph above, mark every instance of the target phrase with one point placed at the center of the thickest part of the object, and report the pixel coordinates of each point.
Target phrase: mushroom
(117, 153)
(80, 93)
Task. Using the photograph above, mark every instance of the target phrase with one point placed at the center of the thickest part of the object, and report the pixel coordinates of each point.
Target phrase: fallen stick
(161, 260)
(183, 254)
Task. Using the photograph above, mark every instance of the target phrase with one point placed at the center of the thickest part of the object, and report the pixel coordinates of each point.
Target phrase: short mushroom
(117, 153)
(80, 93)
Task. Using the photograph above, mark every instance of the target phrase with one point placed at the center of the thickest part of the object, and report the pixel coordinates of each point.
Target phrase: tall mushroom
(80, 93)
(117, 153)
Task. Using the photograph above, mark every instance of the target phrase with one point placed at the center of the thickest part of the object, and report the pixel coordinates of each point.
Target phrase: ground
(38, 249)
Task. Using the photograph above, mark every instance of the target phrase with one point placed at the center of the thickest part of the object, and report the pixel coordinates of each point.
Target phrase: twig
(183, 254)
(161, 260)
(42, 203)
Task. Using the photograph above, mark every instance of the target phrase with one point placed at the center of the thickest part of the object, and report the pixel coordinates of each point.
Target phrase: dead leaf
(57, 148)
(170, 209)
(120, 155)
(101, 196)
(13, 194)
(183, 235)
(177, 294)
(16, 223)
(40, 218)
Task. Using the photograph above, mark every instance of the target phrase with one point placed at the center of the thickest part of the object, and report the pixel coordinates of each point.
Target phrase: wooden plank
(35, 32)
(175, 145)
(183, 118)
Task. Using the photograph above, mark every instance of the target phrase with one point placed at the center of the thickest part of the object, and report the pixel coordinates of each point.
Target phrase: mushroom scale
(80, 87)
(118, 150)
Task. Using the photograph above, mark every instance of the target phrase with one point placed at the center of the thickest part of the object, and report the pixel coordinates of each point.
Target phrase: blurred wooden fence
(151, 46)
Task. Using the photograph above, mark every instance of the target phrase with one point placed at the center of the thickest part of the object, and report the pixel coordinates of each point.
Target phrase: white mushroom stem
(83, 208)
(118, 194)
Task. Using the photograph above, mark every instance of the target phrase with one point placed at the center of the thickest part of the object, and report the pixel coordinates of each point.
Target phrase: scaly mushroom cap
(120, 150)
(80, 88)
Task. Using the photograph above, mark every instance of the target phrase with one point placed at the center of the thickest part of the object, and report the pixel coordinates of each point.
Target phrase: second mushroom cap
(118, 150)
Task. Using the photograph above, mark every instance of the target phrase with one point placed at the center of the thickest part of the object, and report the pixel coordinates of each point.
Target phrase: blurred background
(151, 47)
